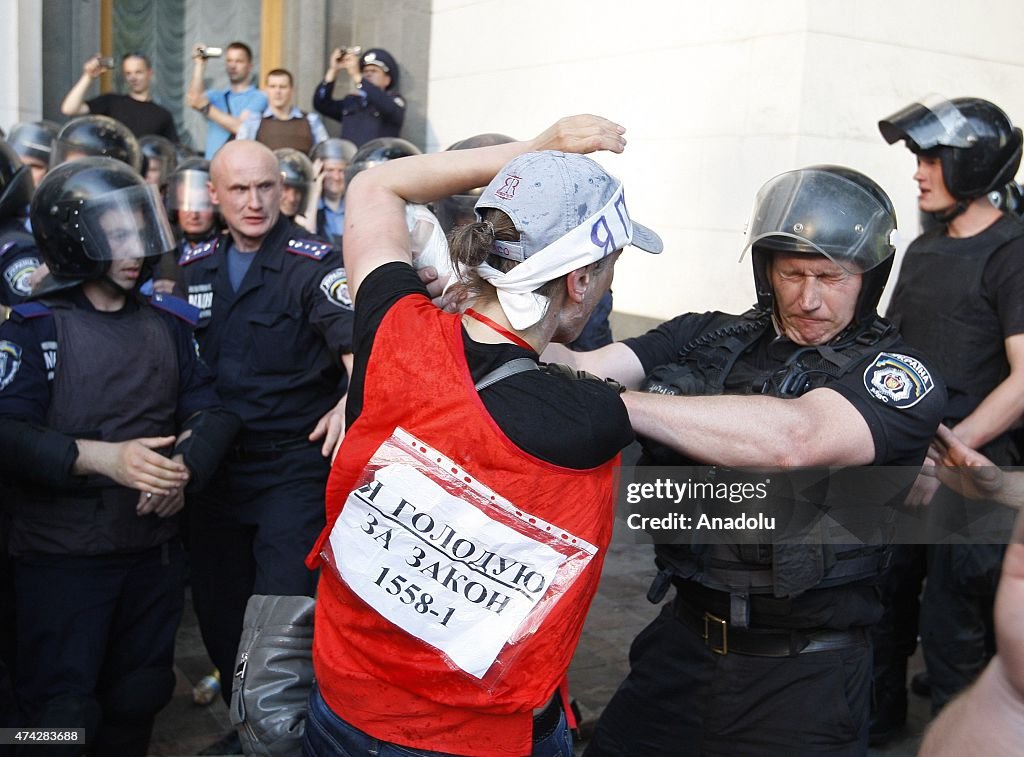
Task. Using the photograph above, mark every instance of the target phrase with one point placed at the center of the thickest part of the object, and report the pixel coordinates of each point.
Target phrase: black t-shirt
(571, 423)
(141, 117)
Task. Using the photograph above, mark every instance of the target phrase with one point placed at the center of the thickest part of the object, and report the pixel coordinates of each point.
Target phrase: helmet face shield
(188, 191)
(819, 211)
(126, 223)
(932, 122)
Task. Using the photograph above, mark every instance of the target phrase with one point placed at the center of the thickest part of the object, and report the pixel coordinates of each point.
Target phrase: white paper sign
(441, 568)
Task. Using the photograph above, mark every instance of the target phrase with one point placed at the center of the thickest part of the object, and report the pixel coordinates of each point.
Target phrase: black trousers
(249, 533)
(680, 698)
(99, 629)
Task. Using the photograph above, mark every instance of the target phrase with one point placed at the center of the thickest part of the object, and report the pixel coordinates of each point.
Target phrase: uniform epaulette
(21, 240)
(200, 251)
(29, 310)
(176, 307)
(309, 248)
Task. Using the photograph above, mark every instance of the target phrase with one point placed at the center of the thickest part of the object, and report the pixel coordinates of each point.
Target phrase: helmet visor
(932, 122)
(126, 223)
(188, 191)
(821, 212)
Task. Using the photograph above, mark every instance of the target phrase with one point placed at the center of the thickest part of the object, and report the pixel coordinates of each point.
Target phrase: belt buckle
(709, 621)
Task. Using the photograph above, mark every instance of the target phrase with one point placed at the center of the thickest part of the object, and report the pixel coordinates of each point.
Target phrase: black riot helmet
(34, 139)
(88, 212)
(458, 210)
(15, 183)
(825, 210)
(159, 159)
(96, 135)
(378, 151)
(296, 172)
(188, 192)
(980, 150)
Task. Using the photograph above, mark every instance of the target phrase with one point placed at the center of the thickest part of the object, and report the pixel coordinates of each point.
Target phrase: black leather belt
(544, 722)
(722, 638)
(258, 452)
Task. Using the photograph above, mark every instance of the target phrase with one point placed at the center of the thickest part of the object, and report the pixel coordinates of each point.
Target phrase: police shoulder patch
(310, 248)
(10, 362)
(200, 251)
(175, 306)
(29, 310)
(897, 380)
(335, 286)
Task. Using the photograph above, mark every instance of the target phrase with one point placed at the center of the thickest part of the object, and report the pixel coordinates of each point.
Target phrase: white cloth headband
(606, 231)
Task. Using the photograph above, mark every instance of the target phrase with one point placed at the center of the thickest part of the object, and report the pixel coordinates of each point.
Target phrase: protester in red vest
(470, 504)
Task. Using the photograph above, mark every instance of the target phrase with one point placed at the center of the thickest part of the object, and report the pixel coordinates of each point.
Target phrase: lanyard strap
(494, 326)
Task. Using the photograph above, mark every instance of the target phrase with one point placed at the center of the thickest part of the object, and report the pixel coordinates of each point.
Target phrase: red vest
(382, 679)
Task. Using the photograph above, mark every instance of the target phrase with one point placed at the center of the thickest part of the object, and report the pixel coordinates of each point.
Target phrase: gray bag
(274, 675)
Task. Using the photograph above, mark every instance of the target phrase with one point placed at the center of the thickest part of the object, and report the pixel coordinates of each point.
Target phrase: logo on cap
(508, 189)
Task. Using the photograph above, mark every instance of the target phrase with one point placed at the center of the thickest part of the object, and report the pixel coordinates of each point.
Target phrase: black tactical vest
(939, 308)
(116, 378)
(714, 364)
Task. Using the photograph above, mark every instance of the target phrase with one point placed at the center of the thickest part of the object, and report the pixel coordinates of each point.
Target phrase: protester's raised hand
(581, 134)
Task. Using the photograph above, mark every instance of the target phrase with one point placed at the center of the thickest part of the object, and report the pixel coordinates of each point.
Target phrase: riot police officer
(957, 298)
(297, 177)
(99, 439)
(333, 156)
(19, 257)
(811, 376)
(159, 159)
(33, 141)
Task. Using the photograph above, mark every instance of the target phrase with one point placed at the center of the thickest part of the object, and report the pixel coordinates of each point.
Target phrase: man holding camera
(228, 108)
(136, 110)
(374, 109)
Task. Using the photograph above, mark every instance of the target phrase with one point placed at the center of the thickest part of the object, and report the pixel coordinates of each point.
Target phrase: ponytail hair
(473, 244)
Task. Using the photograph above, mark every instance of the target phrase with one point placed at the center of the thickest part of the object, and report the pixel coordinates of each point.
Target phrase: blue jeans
(327, 735)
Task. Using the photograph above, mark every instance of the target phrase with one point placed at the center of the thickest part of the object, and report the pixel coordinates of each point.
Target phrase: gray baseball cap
(552, 195)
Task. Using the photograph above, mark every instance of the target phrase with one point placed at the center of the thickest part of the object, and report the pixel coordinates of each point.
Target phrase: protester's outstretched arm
(375, 228)
(973, 475)
(989, 717)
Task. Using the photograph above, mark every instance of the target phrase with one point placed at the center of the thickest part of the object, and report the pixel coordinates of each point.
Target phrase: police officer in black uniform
(275, 325)
(297, 174)
(331, 158)
(194, 220)
(960, 298)
(810, 377)
(375, 109)
(19, 257)
(99, 437)
(33, 141)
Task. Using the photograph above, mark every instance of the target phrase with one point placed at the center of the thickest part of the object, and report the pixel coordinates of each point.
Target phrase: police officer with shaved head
(275, 325)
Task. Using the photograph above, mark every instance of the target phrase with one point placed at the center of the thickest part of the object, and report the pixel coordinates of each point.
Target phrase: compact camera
(210, 52)
(107, 62)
